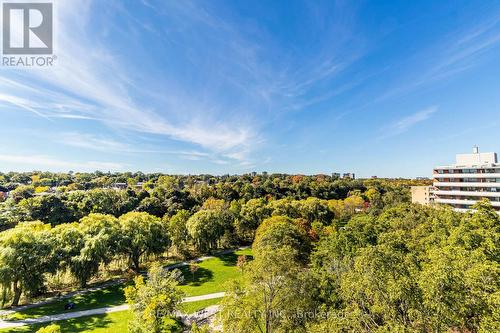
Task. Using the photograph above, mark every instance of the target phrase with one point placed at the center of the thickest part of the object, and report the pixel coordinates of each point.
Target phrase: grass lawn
(115, 322)
(210, 277)
(108, 296)
(212, 274)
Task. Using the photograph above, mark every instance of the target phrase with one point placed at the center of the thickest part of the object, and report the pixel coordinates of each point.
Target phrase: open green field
(115, 322)
(212, 274)
(210, 277)
(109, 296)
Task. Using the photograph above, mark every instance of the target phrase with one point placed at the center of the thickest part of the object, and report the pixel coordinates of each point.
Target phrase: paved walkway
(93, 312)
(107, 284)
(62, 316)
(200, 317)
(65, 296)
(203, 297)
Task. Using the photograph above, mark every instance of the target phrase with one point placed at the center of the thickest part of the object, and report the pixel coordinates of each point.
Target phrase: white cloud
(107, 144)
(450, 56)
(404, 124)
(89, 82)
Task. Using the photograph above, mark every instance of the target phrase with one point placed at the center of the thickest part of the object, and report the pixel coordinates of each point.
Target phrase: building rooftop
(475, 159)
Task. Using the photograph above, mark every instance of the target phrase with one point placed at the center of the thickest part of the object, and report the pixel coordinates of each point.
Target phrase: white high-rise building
(473, 177)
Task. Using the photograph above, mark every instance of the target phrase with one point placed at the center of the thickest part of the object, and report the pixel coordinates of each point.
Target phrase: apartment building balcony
(466, 175)
(466, 184)
(495, 204)
(468, 193)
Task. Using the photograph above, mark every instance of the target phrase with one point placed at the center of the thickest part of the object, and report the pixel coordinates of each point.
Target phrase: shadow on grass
(230, 259)
(83, 324)
(109, 296)
(201, 276)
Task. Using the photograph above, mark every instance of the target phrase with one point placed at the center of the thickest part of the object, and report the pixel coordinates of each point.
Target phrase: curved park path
(104, 310)
(93, 312)
(107, 284)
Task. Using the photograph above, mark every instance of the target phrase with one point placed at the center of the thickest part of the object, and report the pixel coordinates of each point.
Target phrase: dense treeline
(330, 255)
(81, 231)
(61, 198)
(407, 269)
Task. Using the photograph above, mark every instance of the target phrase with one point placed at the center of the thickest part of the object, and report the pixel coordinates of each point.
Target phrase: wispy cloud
(106, 144)
(452, 55)
(90, 82)
(404, 124)
(219, 104)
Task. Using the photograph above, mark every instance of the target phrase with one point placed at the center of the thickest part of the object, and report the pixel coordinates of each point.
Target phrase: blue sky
(376, 88)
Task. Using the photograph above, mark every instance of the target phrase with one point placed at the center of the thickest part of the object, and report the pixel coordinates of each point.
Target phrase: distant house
(349, 175)
(336, 175)
(119, 186)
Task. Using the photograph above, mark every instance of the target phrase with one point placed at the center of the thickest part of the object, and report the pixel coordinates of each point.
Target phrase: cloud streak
(90, 82)
(405, 124)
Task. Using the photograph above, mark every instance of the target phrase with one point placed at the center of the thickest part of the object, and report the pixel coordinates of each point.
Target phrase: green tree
(153, 301)
(22, 192)
(281, 231)
(274, 295)
(178, 232)
(207, 227)
(140, 234)
(315, 210)
(100, 237)
(47, 208)
(251, 215)
(25, 256)
(52, 328)
(457, 286)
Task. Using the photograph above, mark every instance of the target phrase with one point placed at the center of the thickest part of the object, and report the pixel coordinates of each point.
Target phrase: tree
(241, 262)
(104, 201)
(207, 227)
(193, 268)
(141, 233)
(48, 209)
(251, 215)
(100, 238)
(457, 285)
(153, 301)
(315, 210)
(153, 206)
(52, 328)
(200, 329)
(178, 232)
(22, 192)
(281, 231)
(273, 295)
(25, 256)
